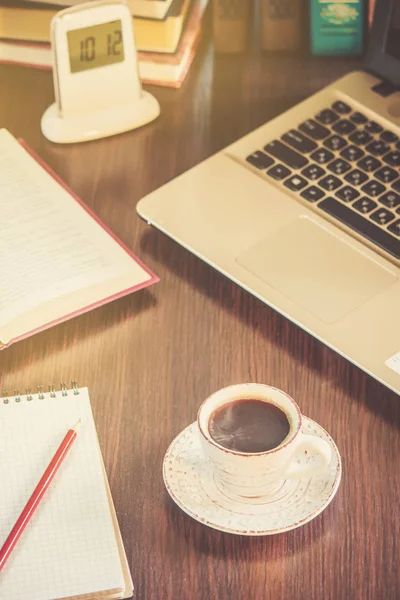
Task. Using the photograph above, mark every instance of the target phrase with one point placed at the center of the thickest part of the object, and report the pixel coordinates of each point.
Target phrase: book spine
(371, 10)
(281, 24)
(337, 28)
(231, 24)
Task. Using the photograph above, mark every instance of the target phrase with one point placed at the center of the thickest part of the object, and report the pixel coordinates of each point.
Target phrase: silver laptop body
(304, 212)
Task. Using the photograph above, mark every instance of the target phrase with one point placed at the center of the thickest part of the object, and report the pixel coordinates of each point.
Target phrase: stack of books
(326, 27)
(167, 33)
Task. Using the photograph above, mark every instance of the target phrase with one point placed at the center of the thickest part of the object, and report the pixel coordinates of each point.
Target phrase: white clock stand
(95, 101)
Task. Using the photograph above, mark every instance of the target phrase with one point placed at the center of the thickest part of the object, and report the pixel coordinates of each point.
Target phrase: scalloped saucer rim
(204, 492)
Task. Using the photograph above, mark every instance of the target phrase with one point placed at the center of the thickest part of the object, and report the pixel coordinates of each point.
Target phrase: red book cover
(152, 278)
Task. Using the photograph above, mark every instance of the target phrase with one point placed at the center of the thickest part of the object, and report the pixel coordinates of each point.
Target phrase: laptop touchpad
(312, 267)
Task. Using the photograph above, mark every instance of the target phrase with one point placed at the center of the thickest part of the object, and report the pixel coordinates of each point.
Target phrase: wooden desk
(151, 358)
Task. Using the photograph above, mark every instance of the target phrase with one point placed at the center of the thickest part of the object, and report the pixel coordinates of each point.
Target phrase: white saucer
(191, 485)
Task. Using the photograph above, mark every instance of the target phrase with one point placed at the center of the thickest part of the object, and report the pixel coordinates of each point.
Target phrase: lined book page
(50, 246)
(69, 547)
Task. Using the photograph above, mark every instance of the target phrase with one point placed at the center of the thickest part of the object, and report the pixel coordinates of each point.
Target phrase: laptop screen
(393, 35)
(383, 58)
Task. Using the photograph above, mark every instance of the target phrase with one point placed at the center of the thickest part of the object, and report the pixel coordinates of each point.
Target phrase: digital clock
(97, 86)
(95, 46)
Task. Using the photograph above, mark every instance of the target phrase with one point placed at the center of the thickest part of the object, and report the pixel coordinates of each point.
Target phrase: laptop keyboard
(344, 165)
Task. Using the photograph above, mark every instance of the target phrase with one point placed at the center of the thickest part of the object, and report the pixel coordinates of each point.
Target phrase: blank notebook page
(69, 547)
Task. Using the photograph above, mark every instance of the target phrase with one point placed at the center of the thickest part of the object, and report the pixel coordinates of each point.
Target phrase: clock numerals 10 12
(95, 46)
(88, 46)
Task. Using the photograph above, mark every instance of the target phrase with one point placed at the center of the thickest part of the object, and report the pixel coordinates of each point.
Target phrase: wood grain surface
(151, 358)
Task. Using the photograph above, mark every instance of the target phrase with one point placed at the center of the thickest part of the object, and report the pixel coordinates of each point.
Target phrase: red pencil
(37, 495)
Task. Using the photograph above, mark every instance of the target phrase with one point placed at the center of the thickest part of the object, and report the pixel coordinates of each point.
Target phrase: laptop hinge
(385, 88)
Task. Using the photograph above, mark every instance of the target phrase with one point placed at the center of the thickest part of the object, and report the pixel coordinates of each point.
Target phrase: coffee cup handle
(309, 444)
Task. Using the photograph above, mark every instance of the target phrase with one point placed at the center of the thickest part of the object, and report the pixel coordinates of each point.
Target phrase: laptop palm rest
(315, 269)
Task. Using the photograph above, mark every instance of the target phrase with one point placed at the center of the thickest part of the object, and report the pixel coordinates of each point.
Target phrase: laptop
(304, 211)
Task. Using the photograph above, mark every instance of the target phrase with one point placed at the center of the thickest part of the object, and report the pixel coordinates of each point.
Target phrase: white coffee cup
(251, 475)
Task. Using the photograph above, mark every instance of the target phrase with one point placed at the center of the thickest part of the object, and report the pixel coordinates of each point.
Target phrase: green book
(337, 28)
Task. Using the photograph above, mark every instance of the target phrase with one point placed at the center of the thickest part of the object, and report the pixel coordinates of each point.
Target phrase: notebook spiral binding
(40, 394)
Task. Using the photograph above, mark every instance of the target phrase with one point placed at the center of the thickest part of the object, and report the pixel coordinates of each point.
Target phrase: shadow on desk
(188, 533)
(285, 336)
(85, 327)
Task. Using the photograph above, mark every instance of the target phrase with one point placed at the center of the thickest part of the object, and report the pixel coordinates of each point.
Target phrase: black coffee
(249, 425)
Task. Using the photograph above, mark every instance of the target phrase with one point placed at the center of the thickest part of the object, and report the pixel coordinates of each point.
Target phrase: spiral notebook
(72, 547)
(57, 259)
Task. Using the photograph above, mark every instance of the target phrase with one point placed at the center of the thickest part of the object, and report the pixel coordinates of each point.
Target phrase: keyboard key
(299, 141)
(360, 138)
(312, 193)
(284, 154)
(389, 137)
(335, 142)
(365, 205)
(386, 174)
(279, 172)
(313, 172)
(339, 166)
(352, 153)
(347, 193)
(327, 116)
(260, 160)
(330, 183)
(361, 225)
(369, 163)
(373, 188)
(322, 156)
(344, 127)
(392, 158)
(390, 199)
(377, 147)
(314, 130)
(295, 183)
(382, 216)
(373, 127)
(395, 227)
(341, 107)
(358, 118)
(356, 177)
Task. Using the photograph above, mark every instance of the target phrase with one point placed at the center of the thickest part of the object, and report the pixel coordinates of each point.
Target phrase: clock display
(95, 46)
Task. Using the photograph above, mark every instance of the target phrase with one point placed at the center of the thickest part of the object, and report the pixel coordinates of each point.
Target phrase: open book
(72, 547)
(57, 259)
